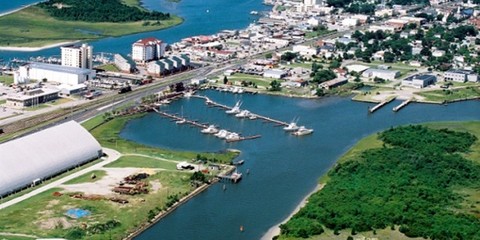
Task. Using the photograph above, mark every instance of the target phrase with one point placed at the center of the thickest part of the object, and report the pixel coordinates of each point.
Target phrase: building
(357, 68)
(350, 22)
(124, 63)
(54, 73)
(274, 73)
(167, 65)
(77, 56)
(148, 49)
(67, 90)
(38, 156)
(460, 75)
(305, 50)
(333, 83)
(32, 97)
(380, 73)
(419, 81)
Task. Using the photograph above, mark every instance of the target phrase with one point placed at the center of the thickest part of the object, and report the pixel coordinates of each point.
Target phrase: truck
(125, 89)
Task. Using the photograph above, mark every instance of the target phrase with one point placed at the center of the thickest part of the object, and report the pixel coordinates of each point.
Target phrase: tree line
(408, 183)
(99, 11)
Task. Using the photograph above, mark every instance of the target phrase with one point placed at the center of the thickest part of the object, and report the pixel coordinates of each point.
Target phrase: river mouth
(283, 168)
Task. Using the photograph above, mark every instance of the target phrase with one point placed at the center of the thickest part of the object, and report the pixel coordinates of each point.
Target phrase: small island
(405, 182)
(62, 21)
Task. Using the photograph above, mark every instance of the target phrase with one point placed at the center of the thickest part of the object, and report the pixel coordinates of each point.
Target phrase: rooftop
(59, 68)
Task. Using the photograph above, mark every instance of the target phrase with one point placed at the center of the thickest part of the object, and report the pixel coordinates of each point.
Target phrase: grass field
(33, 27)
(88, 177)
(142, 162)
(6, 79)
(451, 94)
(109, 68)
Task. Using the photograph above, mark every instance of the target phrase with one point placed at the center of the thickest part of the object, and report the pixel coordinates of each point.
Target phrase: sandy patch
(103, 186)
(54, 223)
(156, 185)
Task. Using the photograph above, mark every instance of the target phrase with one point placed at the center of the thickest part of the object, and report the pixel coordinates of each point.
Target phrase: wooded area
(99, 11)
(407, 183)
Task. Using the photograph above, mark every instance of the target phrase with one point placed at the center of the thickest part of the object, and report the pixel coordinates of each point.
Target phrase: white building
(35, 157)
(305, 50)
(77, 56)
(166, 65)
(380, 73)
(460, 75)
(53, 73)
(350, 22)
(32, 97)
(374, 28)
(124, 63)
(148, 49)
(274, 73)
(419, 81)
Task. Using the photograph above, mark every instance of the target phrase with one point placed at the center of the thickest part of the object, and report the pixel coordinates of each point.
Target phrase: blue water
(283, 168)
(7, 6)
(221, 15)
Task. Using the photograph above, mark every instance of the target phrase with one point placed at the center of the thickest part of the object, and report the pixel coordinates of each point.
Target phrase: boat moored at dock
(210, 130)
(303, 131)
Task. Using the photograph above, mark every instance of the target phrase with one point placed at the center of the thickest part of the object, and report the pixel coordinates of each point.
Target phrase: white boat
(243, 114)
(292, 126)
(240, 90)
(210, 130)
(252, 116)
(222, 134)
(165, 101)
(232, 136)
(235, 109)
(181, 121)
(254, 12)
(303, 131)
(188, 94)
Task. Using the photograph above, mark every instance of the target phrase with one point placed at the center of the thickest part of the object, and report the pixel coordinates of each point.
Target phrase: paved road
(112, 156)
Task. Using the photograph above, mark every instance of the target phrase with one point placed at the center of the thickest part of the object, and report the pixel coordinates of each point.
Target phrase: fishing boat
(222, 134)
(303, 131)
(210, 130)
(235, 109)
(232, 137)
(243, 114)
(292, 126)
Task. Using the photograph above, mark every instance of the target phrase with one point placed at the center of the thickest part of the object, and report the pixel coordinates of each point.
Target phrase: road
(112, 156)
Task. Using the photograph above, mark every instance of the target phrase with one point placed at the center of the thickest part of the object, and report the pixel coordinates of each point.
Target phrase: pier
(403, 104)
(209, 102)
(378, 106)
(231, 175)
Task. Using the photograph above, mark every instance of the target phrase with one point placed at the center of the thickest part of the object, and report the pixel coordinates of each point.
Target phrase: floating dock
(209, 102)
(378, 106)
(403, 104)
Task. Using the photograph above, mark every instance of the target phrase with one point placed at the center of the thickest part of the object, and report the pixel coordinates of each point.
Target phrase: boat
(252, 116)
(254, 12)
(165, 101)
(303, 131)
(188, 94)
(181, 121)
(222, 134)
(292, 126)
(239, 162)
(243, 114)
(232, 137)
(210, 130)
(235, 109)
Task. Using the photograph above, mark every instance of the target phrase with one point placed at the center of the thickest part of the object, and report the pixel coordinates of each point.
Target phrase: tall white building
(148, 49)
(77, 56)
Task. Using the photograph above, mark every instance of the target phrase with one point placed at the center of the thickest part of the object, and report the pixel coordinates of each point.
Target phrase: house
(380, 73)
(419, 81)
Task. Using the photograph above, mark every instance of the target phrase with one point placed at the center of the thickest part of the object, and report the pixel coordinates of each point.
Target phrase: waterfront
(283, 168)
(198, 21)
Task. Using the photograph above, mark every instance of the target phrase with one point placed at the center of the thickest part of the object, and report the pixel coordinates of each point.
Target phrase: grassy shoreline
(371, 142)
(33, 27)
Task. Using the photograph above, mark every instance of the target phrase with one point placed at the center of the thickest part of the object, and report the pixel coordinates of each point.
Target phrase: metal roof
(43, 154)
(59, 68)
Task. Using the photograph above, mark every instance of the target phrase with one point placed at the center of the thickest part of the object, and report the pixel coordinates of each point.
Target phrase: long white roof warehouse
(44, 154)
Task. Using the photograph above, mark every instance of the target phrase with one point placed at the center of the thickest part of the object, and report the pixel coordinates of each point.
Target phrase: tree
(275, 86)
(324, 75)
(335, 64)
(225, 80)
(268, 55)
(288, 56)
(388, 57)
(198, 176)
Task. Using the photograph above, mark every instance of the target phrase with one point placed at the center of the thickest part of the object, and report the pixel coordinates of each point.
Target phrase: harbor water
(283, 168)
(201, 17)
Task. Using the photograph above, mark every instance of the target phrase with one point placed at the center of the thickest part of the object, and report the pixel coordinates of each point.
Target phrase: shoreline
(35, 49)
(275, 230)
(18, 9)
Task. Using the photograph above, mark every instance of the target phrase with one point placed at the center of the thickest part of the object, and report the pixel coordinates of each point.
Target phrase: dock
(209, 102)
(403, 104)
(202, 125)
(231, 176)
(378, 106)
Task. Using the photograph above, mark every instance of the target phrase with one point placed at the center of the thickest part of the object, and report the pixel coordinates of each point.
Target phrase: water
(202, 17)
(283, 168)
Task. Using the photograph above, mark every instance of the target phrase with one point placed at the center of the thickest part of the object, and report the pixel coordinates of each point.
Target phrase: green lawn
(142, 162)
(109, 68)
(60, 101)
(33, 27)
(88, 177)
(451, 94)
(6, 79)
